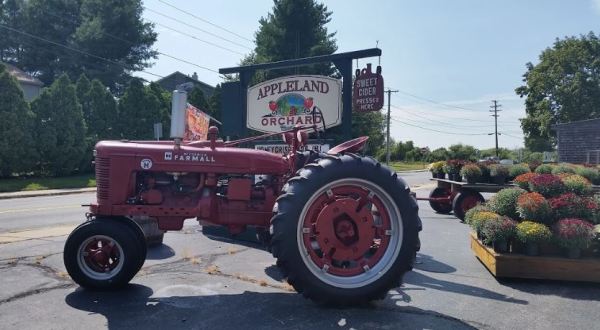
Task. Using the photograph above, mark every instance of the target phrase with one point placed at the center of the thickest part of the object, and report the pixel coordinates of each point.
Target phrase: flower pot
(532, 249)
(574, 253)
(434, 175)
(498, 179)
(456, 177)
(471, 180)
(441, 175)
(500, 246)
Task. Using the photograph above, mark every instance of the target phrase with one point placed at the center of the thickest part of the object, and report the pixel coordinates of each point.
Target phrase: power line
(196, 28)
(438, 121)
(435, 130)
(436, 102)
(78, 51)
(133, 44)
(196, 38)
(206, 21)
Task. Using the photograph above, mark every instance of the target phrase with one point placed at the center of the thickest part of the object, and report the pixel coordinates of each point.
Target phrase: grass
(408, 166)
(28, 184)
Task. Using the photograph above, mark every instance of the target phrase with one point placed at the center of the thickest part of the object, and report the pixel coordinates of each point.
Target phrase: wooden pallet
(546, 268)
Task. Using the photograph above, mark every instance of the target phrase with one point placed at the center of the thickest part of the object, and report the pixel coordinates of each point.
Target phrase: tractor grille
(102, 177)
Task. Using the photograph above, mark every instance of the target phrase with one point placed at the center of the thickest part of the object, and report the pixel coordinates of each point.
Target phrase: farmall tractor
(343, 228)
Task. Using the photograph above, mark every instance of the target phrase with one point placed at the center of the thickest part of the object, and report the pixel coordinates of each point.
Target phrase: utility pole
(387, 143)
(495, 110)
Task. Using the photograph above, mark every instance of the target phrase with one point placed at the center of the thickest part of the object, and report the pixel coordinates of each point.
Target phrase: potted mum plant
(516, 170)
(570, 205)
(574, 235)
(452, 167)
(505, 202)
(437, 170)
(477, 220)
(498, 232)
(532, 234)
(547, 184)
(534, 206)
(577, 184)
(523, 180)
(471, 173)
(498, 173)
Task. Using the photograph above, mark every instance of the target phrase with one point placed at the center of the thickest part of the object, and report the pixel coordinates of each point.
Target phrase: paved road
(196, 282)
(36, 212)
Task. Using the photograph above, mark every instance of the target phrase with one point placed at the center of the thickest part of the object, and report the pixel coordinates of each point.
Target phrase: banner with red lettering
(196, 124)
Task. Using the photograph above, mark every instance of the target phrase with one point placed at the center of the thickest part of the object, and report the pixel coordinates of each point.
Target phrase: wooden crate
(546, 268)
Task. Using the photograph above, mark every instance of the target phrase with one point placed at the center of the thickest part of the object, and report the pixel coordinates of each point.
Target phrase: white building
(32, 87)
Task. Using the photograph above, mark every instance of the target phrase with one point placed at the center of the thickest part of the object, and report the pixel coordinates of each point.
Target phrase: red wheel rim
(346, 230)
(100, 257)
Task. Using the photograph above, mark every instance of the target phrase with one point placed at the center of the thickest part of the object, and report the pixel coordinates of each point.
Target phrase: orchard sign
(368, 90)
(279, 104)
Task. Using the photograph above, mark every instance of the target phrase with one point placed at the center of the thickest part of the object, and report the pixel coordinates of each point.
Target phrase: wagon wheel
(345, 230)
(440, 206)
(464, 201)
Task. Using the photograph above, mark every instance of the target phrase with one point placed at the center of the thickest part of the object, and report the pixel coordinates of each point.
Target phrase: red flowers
(574, 233)
(547, 184)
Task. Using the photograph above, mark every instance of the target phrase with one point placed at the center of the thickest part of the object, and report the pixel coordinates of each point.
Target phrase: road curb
(42, 193)
(413, 171)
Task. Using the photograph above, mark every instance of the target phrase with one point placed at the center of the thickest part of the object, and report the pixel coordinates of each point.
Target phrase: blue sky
(449, 59)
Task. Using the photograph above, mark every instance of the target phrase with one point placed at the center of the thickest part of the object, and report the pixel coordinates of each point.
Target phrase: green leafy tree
(164, 98)
(197, 98)
(60, 128)
(462, 151)
(111, 29)
(564, 86)
(17, 150)
(102, 123)
(214, 103)
(139, 109)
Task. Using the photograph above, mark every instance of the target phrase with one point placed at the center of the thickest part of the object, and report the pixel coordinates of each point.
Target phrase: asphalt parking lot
(193, 281)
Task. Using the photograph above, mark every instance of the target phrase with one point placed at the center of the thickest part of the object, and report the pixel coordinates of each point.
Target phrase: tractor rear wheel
(345, 230)
(103, 254)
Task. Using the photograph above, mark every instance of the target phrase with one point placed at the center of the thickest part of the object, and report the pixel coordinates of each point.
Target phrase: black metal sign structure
(233, 97)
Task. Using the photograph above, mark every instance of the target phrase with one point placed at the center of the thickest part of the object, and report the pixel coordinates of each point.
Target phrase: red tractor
(343, 227)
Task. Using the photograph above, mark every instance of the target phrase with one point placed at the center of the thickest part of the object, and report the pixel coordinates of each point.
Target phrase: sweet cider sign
(280, 104)
(367, 94)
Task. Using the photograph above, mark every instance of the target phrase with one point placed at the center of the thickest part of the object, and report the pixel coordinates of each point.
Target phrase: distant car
(507, 162)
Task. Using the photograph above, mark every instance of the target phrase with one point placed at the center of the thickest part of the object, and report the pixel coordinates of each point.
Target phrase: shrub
(570, 205)
(589, 173)
(505, 202)
(437, 167)
(547, 184)
(474, 210)
(574, 233)
(499, 229)
(535, 207)
(479, 218)
(498, 170)
(523, 180)
(534, 164)
(563, 168)
(453, 166)
(471, 171)
(533, 232)
(544, 169)
(577, 184)
(516, 170)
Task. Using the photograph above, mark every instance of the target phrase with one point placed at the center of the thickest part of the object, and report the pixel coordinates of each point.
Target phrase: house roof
(555, 126)
(21, 76)
(185, 77)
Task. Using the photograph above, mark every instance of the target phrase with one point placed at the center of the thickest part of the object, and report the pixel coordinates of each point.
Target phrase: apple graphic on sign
(273, 106)
(308, 103)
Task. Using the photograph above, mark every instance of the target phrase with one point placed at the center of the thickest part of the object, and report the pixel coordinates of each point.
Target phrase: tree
(214, 103)
(294, 29)
(462, 151)
(196, 98)
(164, 98)
(139, 109)
(102, 121)
(60, 128)
(17, 151)
(437, 155)
(111, 29)
(564, 86)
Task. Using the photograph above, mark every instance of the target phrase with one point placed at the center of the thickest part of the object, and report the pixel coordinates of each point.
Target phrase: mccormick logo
(289, 110)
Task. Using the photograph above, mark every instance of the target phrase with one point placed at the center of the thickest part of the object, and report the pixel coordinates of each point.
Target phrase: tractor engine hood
(165, 156)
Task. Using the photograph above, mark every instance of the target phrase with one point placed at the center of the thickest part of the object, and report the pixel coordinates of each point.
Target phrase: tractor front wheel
(345, 230)
(103, 254)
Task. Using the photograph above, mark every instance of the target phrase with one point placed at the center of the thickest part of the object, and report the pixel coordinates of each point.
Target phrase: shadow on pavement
(572, 290)
(422, 280)
(427, 263)
(140, 307)
(160, 252)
